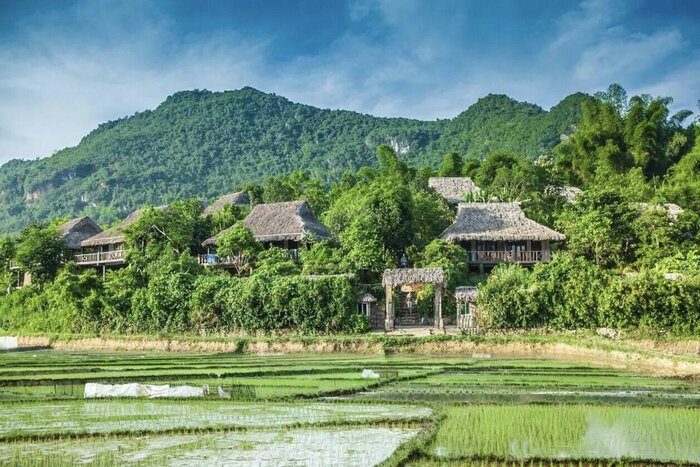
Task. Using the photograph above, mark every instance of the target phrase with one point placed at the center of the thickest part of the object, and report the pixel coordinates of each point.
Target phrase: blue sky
(66, 66)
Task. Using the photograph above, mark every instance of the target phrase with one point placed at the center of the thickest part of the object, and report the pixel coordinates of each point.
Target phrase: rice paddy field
(319, 410)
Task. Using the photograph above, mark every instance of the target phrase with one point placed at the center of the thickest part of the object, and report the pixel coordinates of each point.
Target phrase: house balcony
(212, 259)
(99, 259)
(495, 257)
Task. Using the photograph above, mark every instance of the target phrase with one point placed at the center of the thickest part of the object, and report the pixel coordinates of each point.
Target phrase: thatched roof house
(279, 222)
(496, 222)
(453, 189)
(673, 210)
(115, 235)
(239, 198)
(76, 230)
(569, 193)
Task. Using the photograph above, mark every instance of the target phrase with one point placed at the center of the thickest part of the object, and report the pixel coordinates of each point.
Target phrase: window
(363, 308)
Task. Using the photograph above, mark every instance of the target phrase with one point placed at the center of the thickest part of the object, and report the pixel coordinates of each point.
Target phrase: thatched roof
(239, 198)
(276, 222)
(76, 230)
(496, 221)
(115, 235)
(466, 293)
(367, 298)
(453, 189)
(570, 192)
(396, 277)
(673, 210)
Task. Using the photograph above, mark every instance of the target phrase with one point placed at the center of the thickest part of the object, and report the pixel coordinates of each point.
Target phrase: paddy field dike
(472, 408)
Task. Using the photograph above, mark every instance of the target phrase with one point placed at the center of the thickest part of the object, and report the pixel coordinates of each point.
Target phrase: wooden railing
(106, 257)
(466, 321)
(212, 259)
(533, 256)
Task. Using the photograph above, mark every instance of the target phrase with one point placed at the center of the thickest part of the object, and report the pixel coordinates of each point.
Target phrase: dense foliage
(200, 143)
(628, 261)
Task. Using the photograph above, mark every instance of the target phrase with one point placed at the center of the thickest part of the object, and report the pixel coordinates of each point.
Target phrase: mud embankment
(677, 359)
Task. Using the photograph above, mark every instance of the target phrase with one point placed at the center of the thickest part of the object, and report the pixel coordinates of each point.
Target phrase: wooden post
(439, 323)
(389, 316)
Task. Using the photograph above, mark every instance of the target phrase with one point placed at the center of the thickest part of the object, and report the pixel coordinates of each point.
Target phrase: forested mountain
(201, 143)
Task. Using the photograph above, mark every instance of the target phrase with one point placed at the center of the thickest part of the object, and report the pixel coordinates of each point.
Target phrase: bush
(507, 299)
(568, 291)
(651, 301)
(324, 304)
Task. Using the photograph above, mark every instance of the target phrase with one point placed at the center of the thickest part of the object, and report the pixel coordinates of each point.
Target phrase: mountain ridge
(203, 143)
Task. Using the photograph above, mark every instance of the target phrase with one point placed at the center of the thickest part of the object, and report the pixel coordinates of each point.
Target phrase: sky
(67, 66)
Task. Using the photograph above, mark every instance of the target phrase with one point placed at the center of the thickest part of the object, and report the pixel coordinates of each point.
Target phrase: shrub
(507, 299)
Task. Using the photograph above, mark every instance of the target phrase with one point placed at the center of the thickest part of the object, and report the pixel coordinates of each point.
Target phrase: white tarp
(369, 374)
(95, 390)
(9, 342)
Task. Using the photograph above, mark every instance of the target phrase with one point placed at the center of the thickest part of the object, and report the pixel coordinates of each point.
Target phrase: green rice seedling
(569, 432)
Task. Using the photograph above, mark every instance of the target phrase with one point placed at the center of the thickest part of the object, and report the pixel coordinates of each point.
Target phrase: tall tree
(452, 165)
(40, 252)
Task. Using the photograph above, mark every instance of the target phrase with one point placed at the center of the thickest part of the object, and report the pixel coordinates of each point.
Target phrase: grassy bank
(660, 355)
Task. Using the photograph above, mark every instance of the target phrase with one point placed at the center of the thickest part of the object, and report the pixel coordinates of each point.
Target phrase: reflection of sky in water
(613, 439)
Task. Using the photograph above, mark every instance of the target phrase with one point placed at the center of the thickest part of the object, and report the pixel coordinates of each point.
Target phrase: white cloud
(413, 62)
(65, 91)
(628, 54)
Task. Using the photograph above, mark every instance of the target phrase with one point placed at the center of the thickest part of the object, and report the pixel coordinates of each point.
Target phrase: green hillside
(201, 143)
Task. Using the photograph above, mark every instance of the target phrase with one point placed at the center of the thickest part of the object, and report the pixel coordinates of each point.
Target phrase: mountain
(201, 143)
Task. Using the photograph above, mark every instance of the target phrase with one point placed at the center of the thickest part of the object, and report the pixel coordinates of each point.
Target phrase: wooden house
(107, 247)
(453, 189)
(671, 210)
(495, 233)
(290, 225)
(239, 198)
(73, 233)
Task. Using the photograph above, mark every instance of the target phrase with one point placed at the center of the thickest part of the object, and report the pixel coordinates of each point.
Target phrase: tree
(471, 168)
(229, 215)
(322, 258)
(452, 165)
(509, 176)
(656, 240)
(453, 259)
(616, 97)
(390, 165)
(40, 252)
(180, 227)
(617, 134)
(239, 242)
(275, 262)
(568, 291)
(432, 215)
(506, 299)
(598, 141)
(599, 226)
(682, 183)
(373, 221)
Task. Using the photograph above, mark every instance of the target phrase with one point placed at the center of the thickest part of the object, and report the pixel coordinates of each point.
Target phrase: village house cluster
(491, 233)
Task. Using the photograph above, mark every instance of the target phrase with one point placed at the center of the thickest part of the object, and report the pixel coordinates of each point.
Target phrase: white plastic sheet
(369, 374)
(9, 342)
(96, 390)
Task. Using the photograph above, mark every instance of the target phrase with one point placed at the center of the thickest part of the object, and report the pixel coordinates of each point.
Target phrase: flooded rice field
(313, 410)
